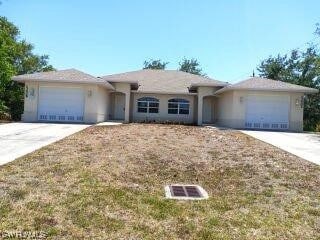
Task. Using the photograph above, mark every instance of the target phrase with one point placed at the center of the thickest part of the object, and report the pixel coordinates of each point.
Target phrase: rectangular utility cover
(178, 191)
(185, 192)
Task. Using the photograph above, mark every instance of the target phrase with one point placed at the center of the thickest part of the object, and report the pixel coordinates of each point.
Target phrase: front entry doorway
(119, 106)
(208, 110)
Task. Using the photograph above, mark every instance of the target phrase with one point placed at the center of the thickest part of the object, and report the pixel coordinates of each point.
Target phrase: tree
(16, 57)
(154, 64)
(302, 68)
(190, 66)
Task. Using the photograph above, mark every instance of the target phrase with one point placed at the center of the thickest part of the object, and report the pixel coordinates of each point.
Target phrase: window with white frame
(178, 106)
(148, 105)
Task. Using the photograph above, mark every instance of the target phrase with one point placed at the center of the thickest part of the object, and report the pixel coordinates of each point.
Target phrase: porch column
(127, 108)
(200, 109)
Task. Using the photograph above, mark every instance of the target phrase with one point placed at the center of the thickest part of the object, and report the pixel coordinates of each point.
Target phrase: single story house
(162, 95)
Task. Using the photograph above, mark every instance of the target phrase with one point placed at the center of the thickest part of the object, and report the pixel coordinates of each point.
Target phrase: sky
(228, 38)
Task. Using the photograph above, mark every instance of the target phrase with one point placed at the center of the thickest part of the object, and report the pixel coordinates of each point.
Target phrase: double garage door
(61, 104)
(267, 112)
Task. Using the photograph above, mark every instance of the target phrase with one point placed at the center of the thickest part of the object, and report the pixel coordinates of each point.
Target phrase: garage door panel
(61, 104)
(267, 112)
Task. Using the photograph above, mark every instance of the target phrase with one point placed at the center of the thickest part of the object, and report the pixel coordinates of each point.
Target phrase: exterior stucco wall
(30, 103)
(30, 113)
(163, 109)
(229, 108)
(103, 104)
(225, 109)
(232, 108)
(296, 112)
(90, 104)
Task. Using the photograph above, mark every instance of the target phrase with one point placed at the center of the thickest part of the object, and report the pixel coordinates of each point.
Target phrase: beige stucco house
(162, 96)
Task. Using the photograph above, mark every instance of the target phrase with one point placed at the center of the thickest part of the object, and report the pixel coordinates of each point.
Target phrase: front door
(119, 104)
(207, 115)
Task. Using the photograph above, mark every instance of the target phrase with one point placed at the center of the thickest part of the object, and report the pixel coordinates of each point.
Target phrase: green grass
(5, 208)
(17, 194)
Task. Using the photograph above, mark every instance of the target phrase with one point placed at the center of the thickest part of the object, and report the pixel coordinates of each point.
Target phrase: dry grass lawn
(107, 183)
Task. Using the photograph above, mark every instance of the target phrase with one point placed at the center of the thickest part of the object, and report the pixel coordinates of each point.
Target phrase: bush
(4, 112)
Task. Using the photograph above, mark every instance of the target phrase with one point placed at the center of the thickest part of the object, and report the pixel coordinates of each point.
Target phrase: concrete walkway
(18, 139)
(304, 145)
(113, 123)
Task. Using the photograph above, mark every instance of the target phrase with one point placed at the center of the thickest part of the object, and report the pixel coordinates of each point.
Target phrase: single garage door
(61, 104)
(267, 112)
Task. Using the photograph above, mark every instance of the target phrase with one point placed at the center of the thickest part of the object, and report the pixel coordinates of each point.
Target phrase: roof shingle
(163, 81)
(264, 84)
(68, 75)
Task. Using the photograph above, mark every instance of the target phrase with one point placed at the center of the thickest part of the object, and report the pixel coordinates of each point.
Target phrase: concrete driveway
(18, 139)
(304, 145)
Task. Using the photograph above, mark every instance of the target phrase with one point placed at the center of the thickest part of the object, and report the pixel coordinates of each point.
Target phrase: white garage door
(61, 104)
(267, 112)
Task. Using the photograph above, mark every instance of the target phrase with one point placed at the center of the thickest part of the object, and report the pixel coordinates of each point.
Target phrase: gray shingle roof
(68, 75)
(264, 84)
(163, 81)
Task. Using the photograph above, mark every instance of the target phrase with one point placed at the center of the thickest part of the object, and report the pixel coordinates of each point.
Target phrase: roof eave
(104, 84)
(209, 85)
(308, 91)
(17, 79)
(163, 92)
(119, 81)
(115, 81)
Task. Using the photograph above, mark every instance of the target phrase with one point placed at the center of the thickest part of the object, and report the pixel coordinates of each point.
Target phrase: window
(52, 117)
(178, 106)
(148, 105)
